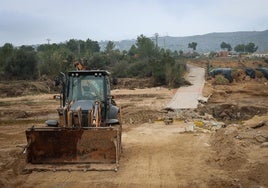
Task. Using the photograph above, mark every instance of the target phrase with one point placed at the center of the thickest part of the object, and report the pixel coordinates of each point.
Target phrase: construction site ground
(223, 143)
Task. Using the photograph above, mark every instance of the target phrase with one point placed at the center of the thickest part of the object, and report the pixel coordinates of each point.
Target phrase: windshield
(86, 87)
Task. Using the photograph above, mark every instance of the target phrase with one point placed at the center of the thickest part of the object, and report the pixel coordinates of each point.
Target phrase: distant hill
(205, 43)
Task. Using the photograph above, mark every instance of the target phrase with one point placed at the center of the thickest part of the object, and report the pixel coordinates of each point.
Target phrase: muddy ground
(221, 144)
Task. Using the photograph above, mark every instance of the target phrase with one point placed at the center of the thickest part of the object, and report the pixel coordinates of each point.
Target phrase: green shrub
(220, 80)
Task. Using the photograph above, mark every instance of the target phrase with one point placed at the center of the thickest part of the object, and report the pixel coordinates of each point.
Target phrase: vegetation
(248, 48)
(192, 45)
(226, 46)
(18, 63)
(144, 59)
(220, 80)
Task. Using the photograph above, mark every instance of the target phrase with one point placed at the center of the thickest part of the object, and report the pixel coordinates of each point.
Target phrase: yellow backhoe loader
(87, 135)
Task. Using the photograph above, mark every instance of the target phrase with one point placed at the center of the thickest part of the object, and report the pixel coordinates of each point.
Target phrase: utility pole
(48, 40)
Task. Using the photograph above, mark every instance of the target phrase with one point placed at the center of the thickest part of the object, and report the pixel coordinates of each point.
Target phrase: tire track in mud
(160, 157)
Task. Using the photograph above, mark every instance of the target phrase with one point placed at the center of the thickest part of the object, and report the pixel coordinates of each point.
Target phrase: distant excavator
(87, 135)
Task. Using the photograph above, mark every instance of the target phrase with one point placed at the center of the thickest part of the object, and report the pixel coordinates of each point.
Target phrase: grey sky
(34, 21)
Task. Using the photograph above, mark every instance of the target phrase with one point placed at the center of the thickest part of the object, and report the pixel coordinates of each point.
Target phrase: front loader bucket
(58, 146)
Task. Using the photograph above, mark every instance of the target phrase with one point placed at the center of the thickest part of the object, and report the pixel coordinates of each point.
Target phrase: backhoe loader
(87, 135)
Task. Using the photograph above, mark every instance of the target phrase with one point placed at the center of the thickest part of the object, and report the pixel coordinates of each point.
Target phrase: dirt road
(154, 155)
(187, 97)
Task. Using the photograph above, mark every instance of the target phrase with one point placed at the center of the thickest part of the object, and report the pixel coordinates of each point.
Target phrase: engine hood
(84, 104)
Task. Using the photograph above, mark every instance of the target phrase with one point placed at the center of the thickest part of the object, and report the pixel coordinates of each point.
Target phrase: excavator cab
(86, 87)
(87, 134)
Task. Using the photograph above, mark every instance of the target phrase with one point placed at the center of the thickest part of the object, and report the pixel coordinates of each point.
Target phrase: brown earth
(222, 62)
(155, 154)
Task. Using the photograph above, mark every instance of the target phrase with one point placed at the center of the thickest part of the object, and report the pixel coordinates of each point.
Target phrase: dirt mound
(228, 153)
(238, 63)
(242, 151)
(132, 83)
(22, 87)
(236, 101)
(19, 88)
(257, 175)
(140, 116)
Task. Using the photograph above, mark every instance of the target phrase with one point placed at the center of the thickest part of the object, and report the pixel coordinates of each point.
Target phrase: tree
(82, 48)
(109, 47)
(249, 48)
(143, 59)
(133, 50)
(26, 48)
(175, 54)
(5, 53)
(181, 53)
(226, 46)
(92, 46)
(22, 65)
(118, 67)
(240, 48)
(72, 45)
(7, 49)
(192, 45)
(97, 61)
(145, 47)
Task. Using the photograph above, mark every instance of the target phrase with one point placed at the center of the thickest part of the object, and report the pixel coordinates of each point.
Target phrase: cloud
(30, 21)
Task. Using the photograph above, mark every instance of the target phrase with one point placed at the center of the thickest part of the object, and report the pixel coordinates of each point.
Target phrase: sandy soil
(155, 154)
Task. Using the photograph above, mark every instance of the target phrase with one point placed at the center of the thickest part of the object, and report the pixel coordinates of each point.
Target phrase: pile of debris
(194, 118)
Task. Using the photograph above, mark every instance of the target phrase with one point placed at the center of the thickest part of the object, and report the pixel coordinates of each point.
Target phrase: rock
(203, 100)
(264, 145)
(260, 124)
(208, 117)
(206, 144)
(205, 131)
(260, 138)
(189, 128)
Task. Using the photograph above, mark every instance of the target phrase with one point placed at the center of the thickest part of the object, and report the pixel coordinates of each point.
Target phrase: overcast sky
(34, 21)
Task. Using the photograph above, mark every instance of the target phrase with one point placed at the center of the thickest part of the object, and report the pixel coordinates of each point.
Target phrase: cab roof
(90, 72)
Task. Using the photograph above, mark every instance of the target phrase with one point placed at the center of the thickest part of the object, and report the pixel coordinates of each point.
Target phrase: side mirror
(111, 99)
